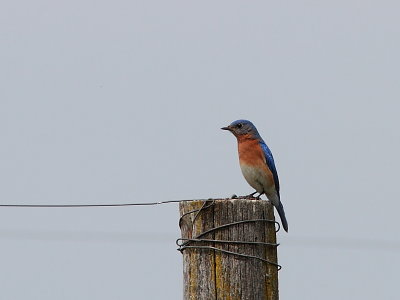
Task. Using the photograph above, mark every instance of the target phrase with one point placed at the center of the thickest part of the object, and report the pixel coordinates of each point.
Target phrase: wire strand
(193, 242)
(233, 197)
(99, 205)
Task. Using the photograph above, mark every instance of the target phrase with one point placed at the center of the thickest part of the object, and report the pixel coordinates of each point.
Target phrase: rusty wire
(190, 243)
(181, 242)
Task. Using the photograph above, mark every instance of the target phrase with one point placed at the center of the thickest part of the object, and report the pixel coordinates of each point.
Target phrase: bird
(257, 164)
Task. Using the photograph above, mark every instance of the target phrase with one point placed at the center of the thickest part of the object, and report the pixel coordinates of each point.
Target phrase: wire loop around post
(190, 243)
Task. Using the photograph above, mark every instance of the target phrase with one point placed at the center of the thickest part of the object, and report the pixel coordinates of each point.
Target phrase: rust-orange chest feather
(253, 165)
(250, 152)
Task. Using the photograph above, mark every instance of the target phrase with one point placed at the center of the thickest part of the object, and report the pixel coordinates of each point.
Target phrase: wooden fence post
(210, 273)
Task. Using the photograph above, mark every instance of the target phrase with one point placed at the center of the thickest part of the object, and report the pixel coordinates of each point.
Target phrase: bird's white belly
(256, 177)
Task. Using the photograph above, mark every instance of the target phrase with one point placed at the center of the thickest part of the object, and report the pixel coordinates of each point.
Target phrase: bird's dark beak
(226, 128)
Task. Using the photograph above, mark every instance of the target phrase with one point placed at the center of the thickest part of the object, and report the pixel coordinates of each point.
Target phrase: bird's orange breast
(250, 152)
(253, 164)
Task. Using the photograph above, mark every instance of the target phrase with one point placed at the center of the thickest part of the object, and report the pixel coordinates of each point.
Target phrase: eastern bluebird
(257, 164)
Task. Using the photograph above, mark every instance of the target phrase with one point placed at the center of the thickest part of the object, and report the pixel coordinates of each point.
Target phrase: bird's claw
(251, 196)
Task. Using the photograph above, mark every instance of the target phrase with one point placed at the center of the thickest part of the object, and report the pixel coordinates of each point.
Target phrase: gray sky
(122, 101)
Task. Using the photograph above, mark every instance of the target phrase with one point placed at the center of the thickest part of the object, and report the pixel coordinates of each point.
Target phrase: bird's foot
(251, 196)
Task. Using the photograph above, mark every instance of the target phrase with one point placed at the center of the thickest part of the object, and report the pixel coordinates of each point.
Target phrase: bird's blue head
(243, 127)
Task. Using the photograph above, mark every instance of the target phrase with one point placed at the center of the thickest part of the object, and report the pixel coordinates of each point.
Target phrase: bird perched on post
(257, 164)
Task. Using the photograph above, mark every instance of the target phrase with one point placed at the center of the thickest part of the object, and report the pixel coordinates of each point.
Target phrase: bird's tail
(281, 213)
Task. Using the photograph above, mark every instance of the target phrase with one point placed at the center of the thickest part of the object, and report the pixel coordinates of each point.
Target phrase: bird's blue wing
(271, 164)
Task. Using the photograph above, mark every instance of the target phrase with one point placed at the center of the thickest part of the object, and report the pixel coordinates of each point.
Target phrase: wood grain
(210, 274)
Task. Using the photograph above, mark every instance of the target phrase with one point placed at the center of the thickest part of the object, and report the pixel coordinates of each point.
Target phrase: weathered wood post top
(229, 249)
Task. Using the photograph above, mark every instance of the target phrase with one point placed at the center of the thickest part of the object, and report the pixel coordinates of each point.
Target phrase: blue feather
(271, 164)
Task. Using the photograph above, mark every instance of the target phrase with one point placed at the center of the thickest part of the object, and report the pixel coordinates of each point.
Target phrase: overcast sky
(122, 101)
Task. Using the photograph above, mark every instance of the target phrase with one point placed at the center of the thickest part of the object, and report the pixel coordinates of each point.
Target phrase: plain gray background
(122, 101)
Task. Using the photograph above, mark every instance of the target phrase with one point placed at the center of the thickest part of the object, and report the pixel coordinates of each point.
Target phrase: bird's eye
(239, 125)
